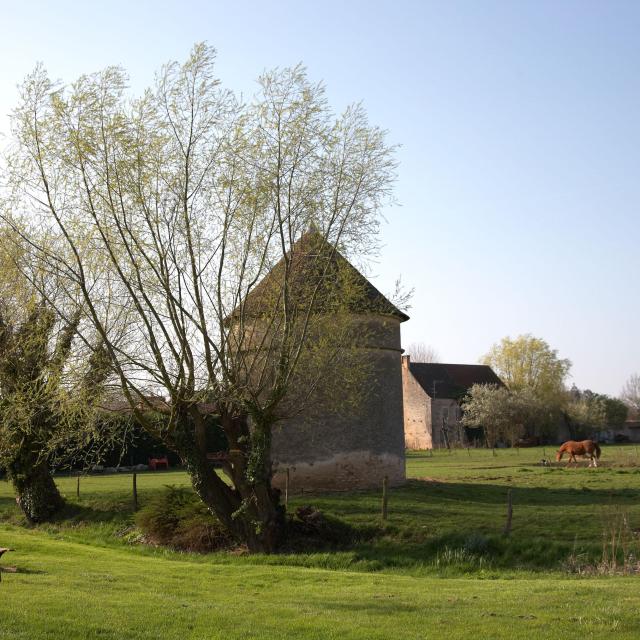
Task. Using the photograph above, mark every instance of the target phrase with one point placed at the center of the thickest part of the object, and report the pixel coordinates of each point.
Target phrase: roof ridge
(308, 244)
(451, 379)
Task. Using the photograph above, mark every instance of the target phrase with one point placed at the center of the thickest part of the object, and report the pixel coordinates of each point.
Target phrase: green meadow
(438, 567)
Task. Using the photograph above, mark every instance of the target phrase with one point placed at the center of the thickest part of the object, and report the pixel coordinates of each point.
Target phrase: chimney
(405, 361)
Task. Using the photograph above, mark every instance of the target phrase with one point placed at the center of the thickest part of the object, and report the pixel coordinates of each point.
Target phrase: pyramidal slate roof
(451, 380)
(318, 266)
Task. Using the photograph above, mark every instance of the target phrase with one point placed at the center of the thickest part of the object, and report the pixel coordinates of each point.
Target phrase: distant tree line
(535, 401)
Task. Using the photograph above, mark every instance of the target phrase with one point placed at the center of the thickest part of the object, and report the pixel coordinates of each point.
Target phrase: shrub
(177, 518)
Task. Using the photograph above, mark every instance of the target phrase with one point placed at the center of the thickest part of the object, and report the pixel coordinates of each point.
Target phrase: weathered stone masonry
(354, 440)
(342, 451)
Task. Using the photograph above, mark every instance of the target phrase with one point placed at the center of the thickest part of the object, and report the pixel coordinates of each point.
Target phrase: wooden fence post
(78, 486)
(385, 497)
(507, 526)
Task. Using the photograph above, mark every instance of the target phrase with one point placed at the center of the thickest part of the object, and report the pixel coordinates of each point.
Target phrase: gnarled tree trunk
(250, 509)
(36, 492)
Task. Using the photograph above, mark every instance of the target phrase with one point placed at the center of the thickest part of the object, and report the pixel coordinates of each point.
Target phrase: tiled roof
(317, 269)
(451, 380)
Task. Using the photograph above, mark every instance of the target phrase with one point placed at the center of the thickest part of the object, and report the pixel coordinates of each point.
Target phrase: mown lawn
(438, 568)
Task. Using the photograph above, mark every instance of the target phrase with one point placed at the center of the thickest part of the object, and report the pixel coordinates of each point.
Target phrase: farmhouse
(355, 437)
(432, 393)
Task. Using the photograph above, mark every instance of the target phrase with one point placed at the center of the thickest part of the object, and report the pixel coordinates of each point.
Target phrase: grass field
(438, 568)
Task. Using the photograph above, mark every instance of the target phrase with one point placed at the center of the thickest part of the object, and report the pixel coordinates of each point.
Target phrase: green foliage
(31, 402)
(503, 414)
(50, 379)
(46, 402)
(177, 518)
(124, 441)
(589, 411)
(616, 412)
(527, 362)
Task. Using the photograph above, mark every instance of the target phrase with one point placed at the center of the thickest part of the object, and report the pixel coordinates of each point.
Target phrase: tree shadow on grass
(74, 513)
(17, 569)
(6, 502)
(417, 493)
(452, 526)
(442, 526)
(9, 510)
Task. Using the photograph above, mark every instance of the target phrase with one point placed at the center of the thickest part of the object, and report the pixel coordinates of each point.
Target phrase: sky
(518, 198)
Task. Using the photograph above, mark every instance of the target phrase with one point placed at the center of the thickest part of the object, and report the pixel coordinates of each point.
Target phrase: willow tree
(47, 384)
(174, 206)
(527, 362)
(28, 409)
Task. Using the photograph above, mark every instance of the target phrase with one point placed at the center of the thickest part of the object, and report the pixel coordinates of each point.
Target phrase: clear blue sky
(520, 131)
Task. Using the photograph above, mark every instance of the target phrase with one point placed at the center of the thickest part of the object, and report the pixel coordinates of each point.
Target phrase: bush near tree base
(177, 518)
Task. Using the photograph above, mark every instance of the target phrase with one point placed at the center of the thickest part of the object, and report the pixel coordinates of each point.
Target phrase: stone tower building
(349, 442)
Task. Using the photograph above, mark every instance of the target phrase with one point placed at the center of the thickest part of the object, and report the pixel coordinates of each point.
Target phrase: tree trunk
(253, 472)
(36, 491)
(249, 509)
(250, 512)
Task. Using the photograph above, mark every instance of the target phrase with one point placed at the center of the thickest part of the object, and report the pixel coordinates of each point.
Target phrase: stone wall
(342, 472)
(423, 416)
(346, 443)
(417, 411)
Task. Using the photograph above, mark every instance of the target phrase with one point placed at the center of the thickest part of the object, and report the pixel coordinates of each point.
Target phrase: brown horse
(587, 448)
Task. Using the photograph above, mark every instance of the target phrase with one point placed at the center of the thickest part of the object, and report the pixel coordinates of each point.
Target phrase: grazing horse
(587, 448)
